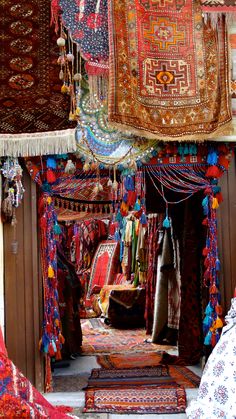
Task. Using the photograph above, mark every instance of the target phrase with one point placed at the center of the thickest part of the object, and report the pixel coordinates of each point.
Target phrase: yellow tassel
(64, 89)
(50, 272)
(86, 167)
(215, 203)
(77, 111)
(71, 116)
(218, 323)
(49, 200)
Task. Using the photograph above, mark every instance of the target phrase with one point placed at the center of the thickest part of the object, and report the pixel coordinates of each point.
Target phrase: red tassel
(219, 197)
(213, 340)
(51, 350)
(205, 222)
(223, 161)
(205, 251)
(213, 289)
(51, 177)
(213, 172)
(208, 191)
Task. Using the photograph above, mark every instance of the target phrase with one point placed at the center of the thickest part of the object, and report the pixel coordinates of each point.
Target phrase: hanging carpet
(34, 113)
(168, 71)
(220, 6)
(129, 361)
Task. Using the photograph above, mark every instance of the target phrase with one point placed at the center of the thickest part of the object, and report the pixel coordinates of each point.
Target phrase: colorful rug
(107, 340)
(143, 399)
(168, 71)
(182, 375)
(129, 377)
(30, 92)
(222, 6)
(69, 383)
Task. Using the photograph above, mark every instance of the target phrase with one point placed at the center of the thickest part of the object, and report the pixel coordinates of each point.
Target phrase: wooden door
(23, 288)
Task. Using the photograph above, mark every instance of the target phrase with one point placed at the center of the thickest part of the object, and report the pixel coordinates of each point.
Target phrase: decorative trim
(36, 144)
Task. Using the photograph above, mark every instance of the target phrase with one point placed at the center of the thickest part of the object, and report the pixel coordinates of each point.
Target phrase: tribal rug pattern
(129, 361)
(30, 91)
(143, 399)
(109, 340)
(222, 6)
(168, 70)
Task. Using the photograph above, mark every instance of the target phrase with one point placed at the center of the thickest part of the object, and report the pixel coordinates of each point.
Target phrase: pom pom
(166, 222)
(70, 167)
(61, 42)
(214, 172)
(51, 177)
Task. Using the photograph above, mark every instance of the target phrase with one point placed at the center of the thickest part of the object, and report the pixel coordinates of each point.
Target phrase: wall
(23, 288)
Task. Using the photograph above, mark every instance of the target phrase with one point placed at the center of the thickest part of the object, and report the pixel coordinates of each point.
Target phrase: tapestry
(109, 340)
(168, 71)
(104, 267)
(143, 399)
(180, 374)
(222, 6)
(34, 113)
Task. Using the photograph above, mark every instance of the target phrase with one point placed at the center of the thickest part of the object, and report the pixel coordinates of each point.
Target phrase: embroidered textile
(143, 399)
(18, 398)
(222, 6)
(30, 96)
(168, 76)
(216, 395)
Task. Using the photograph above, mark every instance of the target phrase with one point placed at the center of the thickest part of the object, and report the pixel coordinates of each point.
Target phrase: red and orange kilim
(168, 70)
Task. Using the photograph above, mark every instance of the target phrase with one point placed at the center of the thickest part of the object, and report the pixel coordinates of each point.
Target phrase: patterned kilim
(108, 340)
(30, 92)
(182, 375)
(168, 70)
(142, 399)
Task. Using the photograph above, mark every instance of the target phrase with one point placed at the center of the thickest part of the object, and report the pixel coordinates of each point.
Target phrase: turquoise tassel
(57, 229)
(137, 206)
(207, 340)
(166, 223)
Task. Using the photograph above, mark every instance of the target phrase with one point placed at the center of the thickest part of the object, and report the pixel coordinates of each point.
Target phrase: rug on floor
(181, 374)
(69, 383)
(104, 339)
(124, 377)
(143, 399)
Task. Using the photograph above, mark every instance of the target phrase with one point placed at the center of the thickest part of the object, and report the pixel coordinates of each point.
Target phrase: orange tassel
(215, 203)
(213, 172)
(50, 272)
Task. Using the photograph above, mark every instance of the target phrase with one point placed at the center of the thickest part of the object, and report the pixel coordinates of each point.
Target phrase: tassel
(51, 177)
(51, 349)
(213, 289)
(86, 166)
(61, 338)
(213, 339)
(57, 229)
(100, 187)
(205, 251)
(224, 162)
(215, 203)
(70, 167)
(51, 163)
(212, 158)
(119, 216)
(125, 197)
(50, 272)
(115, 185)
(96, 189)
(137, 205)
(117, 236)
(166, 222)
(205, 222)
(218, 324)
(143, 219)
(109, 183)
(217, 265)
(216, 189)
(207, 340)
(209, 310)
(218, 309)
(214, 172)
(219, 197)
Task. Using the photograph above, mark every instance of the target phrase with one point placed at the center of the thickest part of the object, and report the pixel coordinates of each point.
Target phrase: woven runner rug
(108, 340)
(30, 91)
(142, 399)
(168, 70)
(129, 361)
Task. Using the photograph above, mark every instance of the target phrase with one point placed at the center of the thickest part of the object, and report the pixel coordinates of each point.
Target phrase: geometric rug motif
(130, 361)
(129, 377)
(108, 340)
(168, 70)
(30, 91)
(143, 399)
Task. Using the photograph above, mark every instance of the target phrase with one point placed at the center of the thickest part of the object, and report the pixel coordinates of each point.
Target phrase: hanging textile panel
(31, 101)
(168, 71)
(218, 6)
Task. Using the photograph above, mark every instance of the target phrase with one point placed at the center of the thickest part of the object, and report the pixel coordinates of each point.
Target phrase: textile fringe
(82, 207)
(226, 129)
(36, 144)
(215, 17)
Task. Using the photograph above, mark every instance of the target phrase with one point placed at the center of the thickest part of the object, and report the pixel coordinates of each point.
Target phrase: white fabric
(217, 391)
